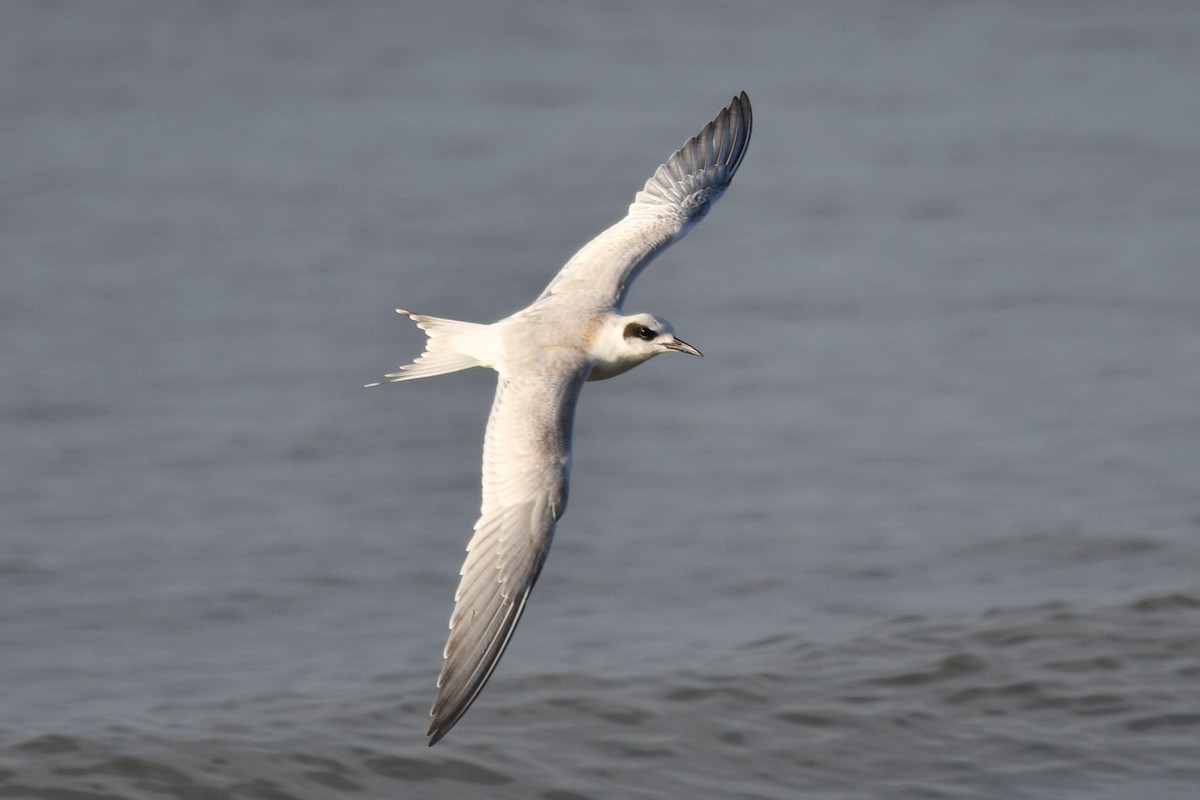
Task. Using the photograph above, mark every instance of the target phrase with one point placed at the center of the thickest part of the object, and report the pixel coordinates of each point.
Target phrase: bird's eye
(646, 334)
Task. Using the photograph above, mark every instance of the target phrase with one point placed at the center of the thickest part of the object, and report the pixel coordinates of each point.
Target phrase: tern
(575, 331)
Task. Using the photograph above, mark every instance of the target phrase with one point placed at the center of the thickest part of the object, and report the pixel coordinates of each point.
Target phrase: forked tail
(451, 346)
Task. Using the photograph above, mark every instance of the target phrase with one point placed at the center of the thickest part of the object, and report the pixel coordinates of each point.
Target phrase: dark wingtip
(438, 729)
(742, 105)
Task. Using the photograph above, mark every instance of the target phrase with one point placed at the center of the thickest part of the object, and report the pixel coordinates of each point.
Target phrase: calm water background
(924, 523)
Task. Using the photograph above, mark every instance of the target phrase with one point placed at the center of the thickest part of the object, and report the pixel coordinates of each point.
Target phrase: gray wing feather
(675, 198)
(526, 465)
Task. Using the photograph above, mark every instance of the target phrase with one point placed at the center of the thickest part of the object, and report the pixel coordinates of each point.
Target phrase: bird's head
(626, 341)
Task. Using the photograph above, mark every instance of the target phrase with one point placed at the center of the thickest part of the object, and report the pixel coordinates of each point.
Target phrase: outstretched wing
(526, 463)
(675, 199)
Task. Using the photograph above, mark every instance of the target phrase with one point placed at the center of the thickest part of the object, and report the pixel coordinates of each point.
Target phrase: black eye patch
(640, 331)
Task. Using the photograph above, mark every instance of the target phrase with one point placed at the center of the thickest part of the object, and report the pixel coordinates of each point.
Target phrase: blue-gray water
(923, 523)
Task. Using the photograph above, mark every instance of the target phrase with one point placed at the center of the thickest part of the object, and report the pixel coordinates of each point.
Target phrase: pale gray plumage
(675, 198)
(544, 353)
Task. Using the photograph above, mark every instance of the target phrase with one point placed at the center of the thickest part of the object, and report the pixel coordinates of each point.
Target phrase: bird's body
(573, 332)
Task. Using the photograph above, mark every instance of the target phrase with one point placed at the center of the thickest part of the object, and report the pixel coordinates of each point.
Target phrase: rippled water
(1052, 700)
(923, 523)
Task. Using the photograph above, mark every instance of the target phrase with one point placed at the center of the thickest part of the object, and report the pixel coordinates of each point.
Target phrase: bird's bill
(682, 347)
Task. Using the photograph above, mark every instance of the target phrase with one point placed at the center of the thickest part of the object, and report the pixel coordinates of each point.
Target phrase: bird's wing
(672, 201)
(526, 463)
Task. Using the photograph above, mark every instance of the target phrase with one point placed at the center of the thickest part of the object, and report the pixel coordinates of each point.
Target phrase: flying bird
(575, 331)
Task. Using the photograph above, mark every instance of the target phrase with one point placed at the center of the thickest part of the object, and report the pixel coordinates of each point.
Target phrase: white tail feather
(452, 346)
